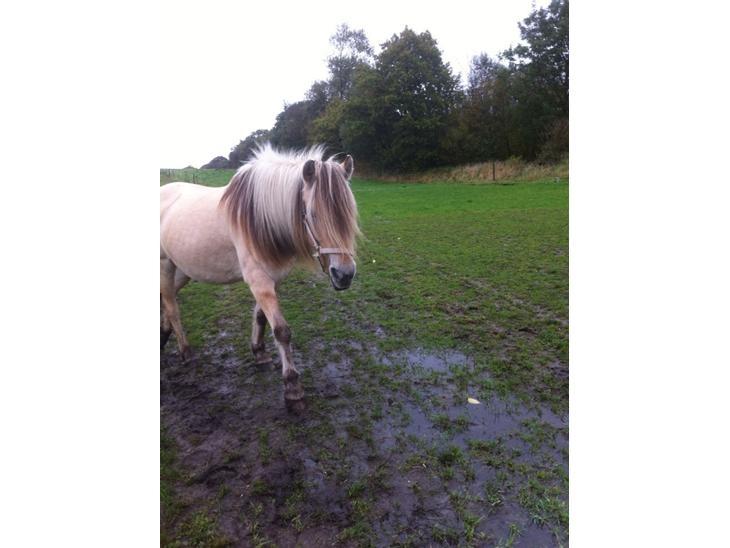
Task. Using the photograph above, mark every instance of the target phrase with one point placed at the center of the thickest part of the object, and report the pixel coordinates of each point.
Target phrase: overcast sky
(227, 67)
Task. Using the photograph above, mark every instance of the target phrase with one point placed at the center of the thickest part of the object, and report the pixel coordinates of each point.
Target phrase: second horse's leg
(258, 346)
(170, 307)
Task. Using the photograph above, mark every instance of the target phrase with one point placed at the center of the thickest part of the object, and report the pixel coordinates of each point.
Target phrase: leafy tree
(404, 110)
(486, 110)
(540, 69)
(352, 49)
(326, 128)
(398, 112)
(292, 125)
(544, 58)
(318, 97)
(242, 151)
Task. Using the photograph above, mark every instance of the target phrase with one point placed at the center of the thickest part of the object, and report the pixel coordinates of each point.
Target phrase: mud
(388, 451)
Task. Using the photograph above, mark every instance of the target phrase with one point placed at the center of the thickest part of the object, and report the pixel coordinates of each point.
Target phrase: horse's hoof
(187, 355)
(295, 407)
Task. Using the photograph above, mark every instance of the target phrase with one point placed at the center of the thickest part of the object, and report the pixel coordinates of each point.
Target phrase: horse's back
(172, 192)
(194, 233)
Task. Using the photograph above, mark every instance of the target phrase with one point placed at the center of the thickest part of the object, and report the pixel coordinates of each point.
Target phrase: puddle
(240, 448)
(440, 361)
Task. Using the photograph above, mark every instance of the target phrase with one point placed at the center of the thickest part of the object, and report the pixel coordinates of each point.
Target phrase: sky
(227, 67)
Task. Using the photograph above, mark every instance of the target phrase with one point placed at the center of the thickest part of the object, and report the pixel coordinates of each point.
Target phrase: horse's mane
(263, 203)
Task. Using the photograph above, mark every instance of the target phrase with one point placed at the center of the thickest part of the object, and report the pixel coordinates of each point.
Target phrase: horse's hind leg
(165, 326)
(258, 347)
(169, 285)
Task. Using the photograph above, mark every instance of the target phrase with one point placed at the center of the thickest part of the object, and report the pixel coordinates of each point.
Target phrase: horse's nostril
(340, 277)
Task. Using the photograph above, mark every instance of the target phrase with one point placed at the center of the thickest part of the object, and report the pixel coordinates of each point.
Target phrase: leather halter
(319, 250)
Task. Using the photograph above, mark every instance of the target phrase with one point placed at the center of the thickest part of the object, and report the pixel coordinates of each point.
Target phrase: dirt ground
(389, 452)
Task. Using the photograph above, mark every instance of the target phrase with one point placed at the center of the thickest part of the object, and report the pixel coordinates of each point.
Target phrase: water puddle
(440, 361)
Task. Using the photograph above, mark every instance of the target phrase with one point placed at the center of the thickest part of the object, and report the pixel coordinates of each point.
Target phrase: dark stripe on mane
(277, 243)
(270, 244)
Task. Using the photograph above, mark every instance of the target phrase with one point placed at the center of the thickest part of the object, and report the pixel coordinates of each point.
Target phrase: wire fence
(186, 175)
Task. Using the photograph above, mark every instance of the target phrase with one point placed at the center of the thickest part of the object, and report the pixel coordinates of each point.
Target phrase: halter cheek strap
(319, 250)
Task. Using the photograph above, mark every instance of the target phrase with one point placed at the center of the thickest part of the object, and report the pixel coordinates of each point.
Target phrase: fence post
(493, 177)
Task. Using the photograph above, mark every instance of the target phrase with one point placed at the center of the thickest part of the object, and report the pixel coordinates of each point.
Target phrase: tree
(540, 84)
(318, 97)
(486, 110)
(352, 49)
(242, 151)
(326, 128)
(292, 125)
(398, 112)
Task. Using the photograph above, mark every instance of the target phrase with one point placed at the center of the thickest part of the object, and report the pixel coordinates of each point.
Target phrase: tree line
(403, 109)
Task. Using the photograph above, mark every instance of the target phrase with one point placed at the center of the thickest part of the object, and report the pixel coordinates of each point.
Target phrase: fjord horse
(278, 210)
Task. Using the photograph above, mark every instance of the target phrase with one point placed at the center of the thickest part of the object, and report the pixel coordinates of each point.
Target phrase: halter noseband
(319, 250)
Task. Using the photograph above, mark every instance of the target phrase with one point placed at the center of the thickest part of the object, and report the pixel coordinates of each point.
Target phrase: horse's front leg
(264, 290)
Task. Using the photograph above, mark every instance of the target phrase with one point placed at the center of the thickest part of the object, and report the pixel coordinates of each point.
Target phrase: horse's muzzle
(341, 279)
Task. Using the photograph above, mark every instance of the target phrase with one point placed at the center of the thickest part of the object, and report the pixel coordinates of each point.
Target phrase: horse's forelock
(264, 204)
(335, 206)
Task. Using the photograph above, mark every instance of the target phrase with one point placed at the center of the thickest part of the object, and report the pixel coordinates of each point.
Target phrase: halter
(319, 250)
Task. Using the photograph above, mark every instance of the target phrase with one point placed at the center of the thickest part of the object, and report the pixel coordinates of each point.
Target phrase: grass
(480, 269)
(511, 170)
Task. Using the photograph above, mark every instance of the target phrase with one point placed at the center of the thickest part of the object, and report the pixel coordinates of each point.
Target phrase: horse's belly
(194, 236)
(220, 268)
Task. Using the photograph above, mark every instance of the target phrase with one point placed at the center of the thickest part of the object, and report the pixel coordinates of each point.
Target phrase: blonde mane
(264, 204)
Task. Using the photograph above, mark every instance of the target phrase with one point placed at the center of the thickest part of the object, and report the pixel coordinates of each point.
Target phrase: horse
(280, 209)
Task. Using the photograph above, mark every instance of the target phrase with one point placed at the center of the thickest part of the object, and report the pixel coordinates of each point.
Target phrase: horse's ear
(349, 166)
(308, 172)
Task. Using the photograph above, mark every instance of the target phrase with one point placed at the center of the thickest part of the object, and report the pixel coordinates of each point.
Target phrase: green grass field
(461, 291)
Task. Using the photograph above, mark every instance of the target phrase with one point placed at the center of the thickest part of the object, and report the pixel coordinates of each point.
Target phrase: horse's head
(330, 217)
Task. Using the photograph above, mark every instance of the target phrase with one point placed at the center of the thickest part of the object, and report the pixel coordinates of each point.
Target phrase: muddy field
(448, 432)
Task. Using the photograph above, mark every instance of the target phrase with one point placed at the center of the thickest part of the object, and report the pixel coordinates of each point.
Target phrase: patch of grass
(264, 448)
(494, 453)
(168, 473)
(258, 537)
(293, 506)
(170, 505)
(448, 458)
(470, 525)
(450, 455)
(537, 433)
(494, 495)
(356, 489)
(260, 488)
(504, 171)
(543, 499)
(360, 531)
(200, 530)
(451, 426)
(514, 533)
(445, 535)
